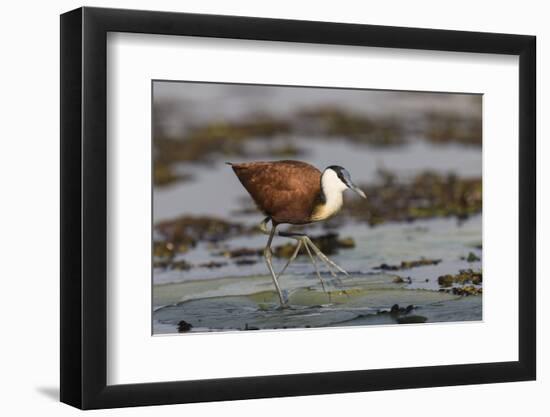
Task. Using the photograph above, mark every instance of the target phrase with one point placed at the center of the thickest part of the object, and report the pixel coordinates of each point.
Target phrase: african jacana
(294, 192)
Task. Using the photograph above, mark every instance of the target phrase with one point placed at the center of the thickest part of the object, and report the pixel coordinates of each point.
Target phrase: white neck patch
(333, 188)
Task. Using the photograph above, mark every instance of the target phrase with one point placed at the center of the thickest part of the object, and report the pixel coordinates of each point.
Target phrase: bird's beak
(358, 191)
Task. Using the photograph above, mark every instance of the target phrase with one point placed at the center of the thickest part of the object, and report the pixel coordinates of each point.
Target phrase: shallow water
(444, 238)
(242, 297)
(237, 297)
(250, 303)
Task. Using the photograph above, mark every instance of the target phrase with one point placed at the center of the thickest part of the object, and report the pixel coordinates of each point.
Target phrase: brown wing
(284, 190)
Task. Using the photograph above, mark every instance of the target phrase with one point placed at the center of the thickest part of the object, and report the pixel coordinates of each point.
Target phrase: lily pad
(251, 303)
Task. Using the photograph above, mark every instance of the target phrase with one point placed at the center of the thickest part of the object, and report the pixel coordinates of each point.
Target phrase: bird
(295, 193)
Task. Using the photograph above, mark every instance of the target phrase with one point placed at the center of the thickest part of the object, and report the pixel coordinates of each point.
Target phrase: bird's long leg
(323, 257)
(302, 240)
(329, 267)
(308, 243)
(268, 255)
(294, 255)
(314, 262)
(263, 228)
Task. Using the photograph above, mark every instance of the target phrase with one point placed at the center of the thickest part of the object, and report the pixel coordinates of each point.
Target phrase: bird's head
(336, 178)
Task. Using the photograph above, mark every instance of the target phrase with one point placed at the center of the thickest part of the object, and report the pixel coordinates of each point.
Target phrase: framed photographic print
(257, 208)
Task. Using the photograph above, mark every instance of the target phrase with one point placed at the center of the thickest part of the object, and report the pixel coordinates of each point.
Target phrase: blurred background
(413, 248)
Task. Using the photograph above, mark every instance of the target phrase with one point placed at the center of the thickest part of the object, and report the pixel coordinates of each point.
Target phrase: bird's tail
(229, 163)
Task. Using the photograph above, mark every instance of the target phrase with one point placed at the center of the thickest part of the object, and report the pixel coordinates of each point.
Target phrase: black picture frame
(84, 207)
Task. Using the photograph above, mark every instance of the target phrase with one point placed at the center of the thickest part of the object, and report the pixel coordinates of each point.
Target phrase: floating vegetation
(240, 252)
(414, 319)
(358, 128)
(180, 265)
(188, 230)
(451, 127)
(184, 327)
(408, 264)
(472, 257)
(205, 142)
(396, 310)
(466, 276)
(179, 235)
(200, 144)
(222, 138)
(328, 243)
(427, 195)
(167, 249)
(164, 175)
(212, 264)
(402, 315)
(464, 291)
(246, 261)
(285, 151)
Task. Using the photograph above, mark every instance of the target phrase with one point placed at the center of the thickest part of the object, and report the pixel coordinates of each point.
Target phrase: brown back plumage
(286, 191)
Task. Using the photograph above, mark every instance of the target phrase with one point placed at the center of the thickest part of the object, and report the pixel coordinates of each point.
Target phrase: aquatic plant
(427, 195)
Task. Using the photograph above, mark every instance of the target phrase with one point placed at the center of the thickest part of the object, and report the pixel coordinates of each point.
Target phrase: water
(250, 303)
(443, 238)
(242, 297)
